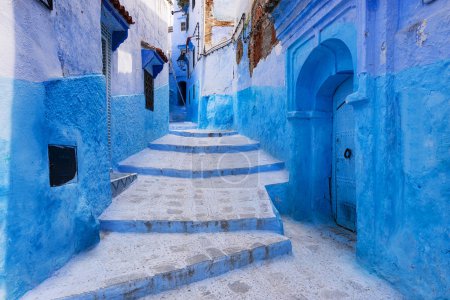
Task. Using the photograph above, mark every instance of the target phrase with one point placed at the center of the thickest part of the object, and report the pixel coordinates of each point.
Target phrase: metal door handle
(348, 153)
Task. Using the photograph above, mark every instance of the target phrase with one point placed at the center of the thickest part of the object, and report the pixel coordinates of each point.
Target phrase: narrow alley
(224, 149)
(203, 212)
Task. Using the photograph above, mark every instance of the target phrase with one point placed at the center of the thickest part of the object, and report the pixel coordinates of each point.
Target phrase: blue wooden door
(344, 197)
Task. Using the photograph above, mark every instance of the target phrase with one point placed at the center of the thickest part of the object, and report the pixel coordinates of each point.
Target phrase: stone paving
(157, 198)
(155, 159)
(132, 265)
(231, 140)
(178, 226)
(323, 266)
(212, 144)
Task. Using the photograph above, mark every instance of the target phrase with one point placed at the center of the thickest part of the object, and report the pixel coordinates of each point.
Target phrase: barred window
(149, 91)
(183, 26)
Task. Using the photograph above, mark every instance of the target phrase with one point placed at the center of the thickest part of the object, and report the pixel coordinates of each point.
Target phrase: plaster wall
(53, 93)
(35, 40)
(151, 25)
(400, 52)
(132, 134)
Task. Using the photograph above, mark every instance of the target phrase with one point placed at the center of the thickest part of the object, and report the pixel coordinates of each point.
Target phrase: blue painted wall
(46, 226)
(216, 111)
(133, 126)
(401, 103)
(403, 199)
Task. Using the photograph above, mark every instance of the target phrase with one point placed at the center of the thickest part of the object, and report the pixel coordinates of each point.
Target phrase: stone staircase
(198, 209)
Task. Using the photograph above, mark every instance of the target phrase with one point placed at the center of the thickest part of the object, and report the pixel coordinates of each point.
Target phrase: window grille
(170, 29)
(183, 26)
(106, 69)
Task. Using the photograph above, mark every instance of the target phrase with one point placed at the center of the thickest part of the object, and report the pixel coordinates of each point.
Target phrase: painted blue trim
(200, 174)
(119, 35)
(152, 62)
(116, 15)
(168, 226)
(204, 149)
(202, 134)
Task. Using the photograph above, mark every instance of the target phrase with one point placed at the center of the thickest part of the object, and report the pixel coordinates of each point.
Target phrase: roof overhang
(153, 59)
(117, 19)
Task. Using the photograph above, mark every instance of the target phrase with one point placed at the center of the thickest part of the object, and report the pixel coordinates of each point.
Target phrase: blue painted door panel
(344, 200)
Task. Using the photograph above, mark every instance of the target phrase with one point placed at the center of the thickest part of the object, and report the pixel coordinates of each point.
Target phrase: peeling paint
(263, 35)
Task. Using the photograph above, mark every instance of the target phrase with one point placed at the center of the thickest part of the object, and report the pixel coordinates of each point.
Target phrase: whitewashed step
(182, 125)
(162, 204)
(132, 265)
(199, 165)
(236, 143)
(204, 133)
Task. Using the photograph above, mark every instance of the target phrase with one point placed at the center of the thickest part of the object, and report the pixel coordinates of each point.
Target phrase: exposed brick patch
(263, 35)
(211, 22)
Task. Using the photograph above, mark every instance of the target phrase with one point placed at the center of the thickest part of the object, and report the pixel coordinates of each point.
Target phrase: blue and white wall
(133, 126)
(53, 92)
(400, 62)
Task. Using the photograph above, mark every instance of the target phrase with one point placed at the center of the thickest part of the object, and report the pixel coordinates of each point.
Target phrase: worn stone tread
(160, 204)
(236, 143)
(203, 133)
(132, 265)
(182, 125)
(199, 165)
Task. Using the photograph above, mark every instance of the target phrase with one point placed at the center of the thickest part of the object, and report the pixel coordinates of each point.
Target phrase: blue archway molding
(316, 66)
(338, 38)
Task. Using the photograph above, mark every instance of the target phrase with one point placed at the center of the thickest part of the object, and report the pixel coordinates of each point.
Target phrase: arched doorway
(343, 197)
(182, 93)
(325, 133)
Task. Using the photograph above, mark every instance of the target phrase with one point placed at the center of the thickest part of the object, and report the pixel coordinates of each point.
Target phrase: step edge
(179, 173)
(183, 276)
(272, 224)
(204, 149)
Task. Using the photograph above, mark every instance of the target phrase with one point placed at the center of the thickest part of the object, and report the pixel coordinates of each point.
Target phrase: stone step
(182, 125)
(161, 204)
(120, 182)
(199, 165)
(236, 143)
(203, 133)
(133, 265)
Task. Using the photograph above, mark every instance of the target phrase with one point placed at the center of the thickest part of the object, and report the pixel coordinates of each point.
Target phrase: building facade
(354, 96)
(79, 88)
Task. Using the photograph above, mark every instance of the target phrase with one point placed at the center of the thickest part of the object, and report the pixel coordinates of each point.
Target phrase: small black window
(149, 91)
(62, 164)
(193, 4)
(183, 26)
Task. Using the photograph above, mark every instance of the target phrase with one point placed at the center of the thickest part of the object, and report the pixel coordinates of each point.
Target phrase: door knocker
(348, 153)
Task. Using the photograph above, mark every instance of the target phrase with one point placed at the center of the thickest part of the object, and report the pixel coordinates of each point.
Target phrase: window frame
(149, 91)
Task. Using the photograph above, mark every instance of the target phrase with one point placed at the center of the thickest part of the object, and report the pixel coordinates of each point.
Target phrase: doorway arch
(182, 99)
(325, 134)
